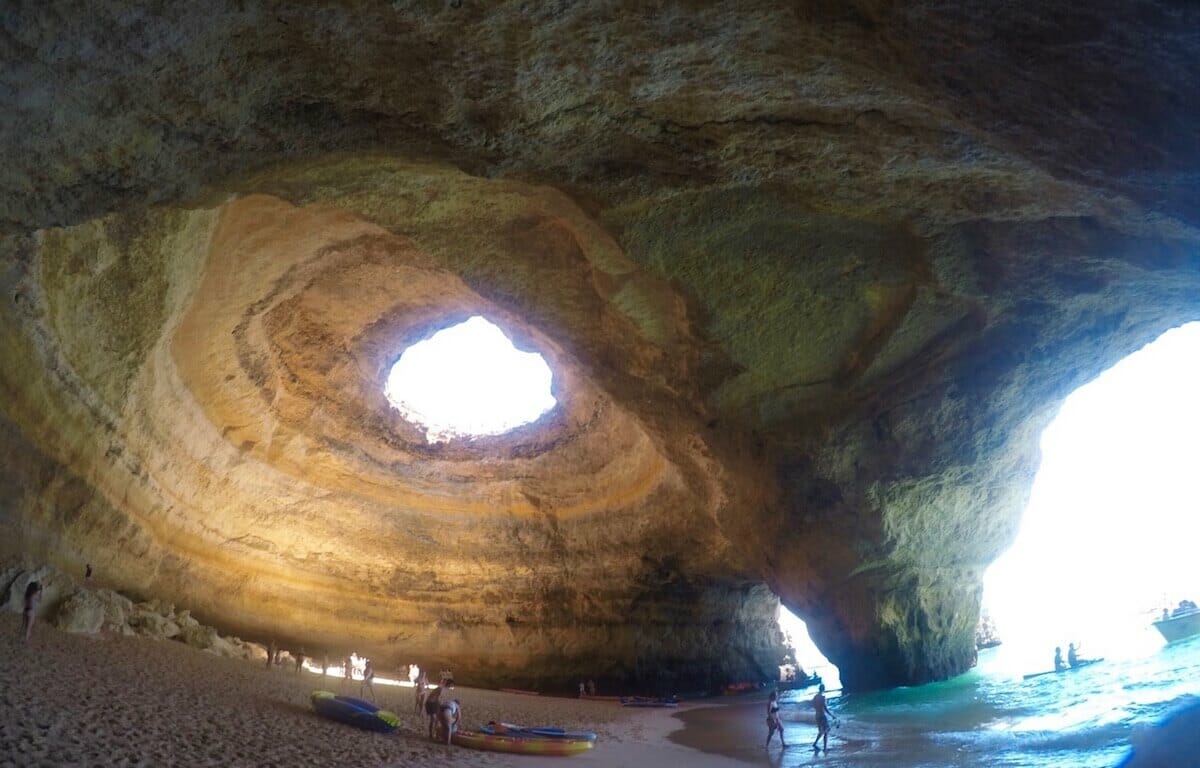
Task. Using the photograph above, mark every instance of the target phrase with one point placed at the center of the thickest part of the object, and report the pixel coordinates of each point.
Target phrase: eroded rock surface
(88, 610)
(811, 277)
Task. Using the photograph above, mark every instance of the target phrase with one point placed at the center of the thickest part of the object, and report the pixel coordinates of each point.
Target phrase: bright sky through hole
(1110, 534)
(469, 380)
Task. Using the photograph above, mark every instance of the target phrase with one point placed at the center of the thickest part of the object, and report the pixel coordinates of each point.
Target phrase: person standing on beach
(368, 679)
(270, 654)
(433, 705)
(422, 686)
(821, 708)
(33, 596)
(299, 661)
(773, 721)
(349, 667)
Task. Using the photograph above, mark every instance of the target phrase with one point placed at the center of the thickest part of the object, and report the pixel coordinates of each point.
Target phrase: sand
(75, 700)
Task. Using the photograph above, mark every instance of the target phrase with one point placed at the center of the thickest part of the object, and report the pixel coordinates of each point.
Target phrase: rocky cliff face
(811, 279)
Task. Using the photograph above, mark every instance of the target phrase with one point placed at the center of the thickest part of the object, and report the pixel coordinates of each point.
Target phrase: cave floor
(73, 700)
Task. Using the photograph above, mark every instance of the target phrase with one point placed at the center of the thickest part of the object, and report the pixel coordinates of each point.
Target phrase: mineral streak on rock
(811, 278)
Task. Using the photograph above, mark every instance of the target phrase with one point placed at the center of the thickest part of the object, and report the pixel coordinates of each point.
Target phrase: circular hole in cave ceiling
(469, 380)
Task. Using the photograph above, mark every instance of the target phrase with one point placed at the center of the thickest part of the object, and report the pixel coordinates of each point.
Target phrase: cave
(811, 279)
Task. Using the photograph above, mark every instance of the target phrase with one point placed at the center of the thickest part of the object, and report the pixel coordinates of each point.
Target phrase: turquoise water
(992, 717)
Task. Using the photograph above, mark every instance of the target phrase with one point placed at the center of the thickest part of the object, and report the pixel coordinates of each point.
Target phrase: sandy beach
(105, 700)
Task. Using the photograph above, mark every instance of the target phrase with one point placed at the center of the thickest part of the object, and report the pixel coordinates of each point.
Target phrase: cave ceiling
(811, 277)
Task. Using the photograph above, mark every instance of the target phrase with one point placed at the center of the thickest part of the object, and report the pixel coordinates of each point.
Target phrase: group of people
(821, 711)
(1073, 659)
(366, 685)
(1184, 607)
(588, 689)
(442, 713)
(275, 658)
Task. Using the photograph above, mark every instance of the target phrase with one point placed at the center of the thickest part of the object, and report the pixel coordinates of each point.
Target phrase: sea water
(991, 716)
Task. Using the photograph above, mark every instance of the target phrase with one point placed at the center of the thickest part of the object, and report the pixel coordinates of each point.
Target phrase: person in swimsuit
(422, 690)
(1072, 655)
(433, 705)
(33, 596)
(368, 679)
(773, 721)
(449, 715)
(1059, 664)
(821, 708)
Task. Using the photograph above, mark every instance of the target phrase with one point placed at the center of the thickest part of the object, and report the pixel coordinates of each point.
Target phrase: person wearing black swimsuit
(773, 721)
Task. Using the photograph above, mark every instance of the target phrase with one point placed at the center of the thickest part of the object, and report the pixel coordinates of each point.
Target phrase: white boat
(1179, 624)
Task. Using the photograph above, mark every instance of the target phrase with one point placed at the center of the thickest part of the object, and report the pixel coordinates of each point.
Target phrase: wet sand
(737, 730)
(75, 700)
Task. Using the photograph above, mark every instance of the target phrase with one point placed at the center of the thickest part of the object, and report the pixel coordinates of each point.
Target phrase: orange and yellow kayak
(520, 746)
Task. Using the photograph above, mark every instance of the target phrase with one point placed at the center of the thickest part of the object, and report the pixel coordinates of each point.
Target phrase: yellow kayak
(520, 746)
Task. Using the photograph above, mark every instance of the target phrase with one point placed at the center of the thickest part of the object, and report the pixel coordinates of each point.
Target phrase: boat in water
(799, 684)
(985, 633)
(1183, 622)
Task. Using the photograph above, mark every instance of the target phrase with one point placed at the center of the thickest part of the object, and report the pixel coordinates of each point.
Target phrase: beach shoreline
(92, 700)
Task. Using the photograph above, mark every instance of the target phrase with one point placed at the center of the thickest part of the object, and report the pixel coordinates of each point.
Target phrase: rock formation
(85, 610)
(812, 277)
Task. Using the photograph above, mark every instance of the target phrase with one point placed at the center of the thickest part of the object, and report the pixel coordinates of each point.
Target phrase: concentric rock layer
(811, 279)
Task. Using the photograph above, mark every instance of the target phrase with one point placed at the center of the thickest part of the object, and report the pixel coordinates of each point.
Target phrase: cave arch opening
(469, 380)
(1108, 536)
(804, 652)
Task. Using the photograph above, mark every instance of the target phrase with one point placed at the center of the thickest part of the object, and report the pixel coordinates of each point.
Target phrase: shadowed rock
(811, 279)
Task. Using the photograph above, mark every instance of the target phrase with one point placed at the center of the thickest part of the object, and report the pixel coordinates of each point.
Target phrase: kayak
(356, 712)
(540, 746)
(523, 732)
(638, 701)
(519, 691)
(1078, 665)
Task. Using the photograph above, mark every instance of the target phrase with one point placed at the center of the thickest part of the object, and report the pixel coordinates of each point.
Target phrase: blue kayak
(356, 712)
(539, 732)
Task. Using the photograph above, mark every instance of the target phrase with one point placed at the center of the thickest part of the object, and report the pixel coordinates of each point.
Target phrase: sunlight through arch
(1109, 536)
(804, 650)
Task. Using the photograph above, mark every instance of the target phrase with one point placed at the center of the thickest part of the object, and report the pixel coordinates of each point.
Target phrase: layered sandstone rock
(87, 610)
(811, 279)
